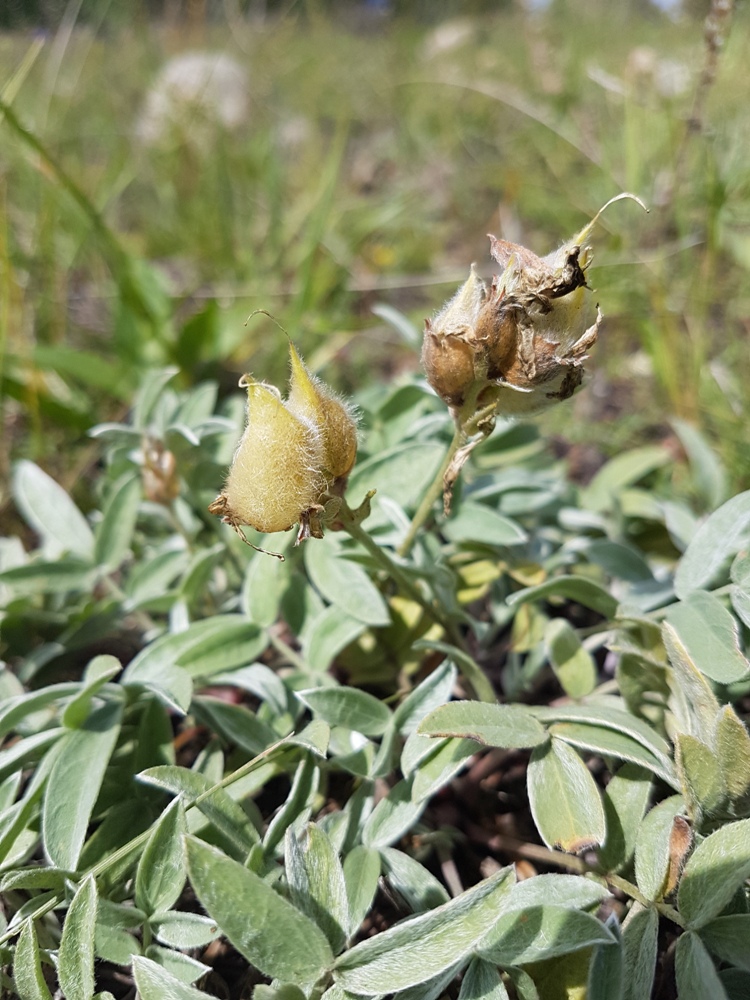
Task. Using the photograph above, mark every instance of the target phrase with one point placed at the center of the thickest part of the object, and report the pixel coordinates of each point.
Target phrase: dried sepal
(161, 484)
(449, 350)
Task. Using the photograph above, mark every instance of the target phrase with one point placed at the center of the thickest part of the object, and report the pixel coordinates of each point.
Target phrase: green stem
(289, 654)
(392, 568)
(428, 500)
(137, 842)
(535, 852)
(635, 893)
(466, 664)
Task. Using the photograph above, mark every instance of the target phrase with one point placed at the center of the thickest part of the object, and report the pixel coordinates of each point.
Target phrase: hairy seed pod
(293, 456)
(311, 400)
(276, 473)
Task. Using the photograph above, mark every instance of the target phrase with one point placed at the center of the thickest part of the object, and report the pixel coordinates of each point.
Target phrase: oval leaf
(625, 799)
(574, 588)
(541, 932)
(433, 691)
(216, 805)
(475, 522)
(640, 943)
(76, 956)
(330, 632)
(50, 512)
(419, 949)
(412, 881)
(346, 584)
(264, 586)
(652, 847)
(268, 930)
(27, 967)
(439, 767)
(348, 707)
(482, 981)
(184, 930)
(74, 783)
(115, 531)
(155, 983)
(316, 882)
(709, 634)
(493, 725)
(361, 875)
(716, 869)
(161, 871)
(392, 816)
(697, 978)
(564, 798)
(728, 937)
(606, 980)
(717, 540)
(573, 665)
(611, 743)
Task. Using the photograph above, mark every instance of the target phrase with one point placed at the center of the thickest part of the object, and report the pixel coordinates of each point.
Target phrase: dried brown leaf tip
(518, 346)
(294, 458)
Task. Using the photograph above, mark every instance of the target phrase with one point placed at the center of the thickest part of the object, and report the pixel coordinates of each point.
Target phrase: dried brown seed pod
(521, 344)
(516, 348)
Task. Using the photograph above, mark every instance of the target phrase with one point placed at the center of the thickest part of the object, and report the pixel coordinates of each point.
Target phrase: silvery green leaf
(271, 933)
(421, 948)
(76, 954)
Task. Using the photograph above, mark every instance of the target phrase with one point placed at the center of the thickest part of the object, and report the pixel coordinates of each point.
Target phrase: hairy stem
(471, 670)
(434, 490)
(141, 840)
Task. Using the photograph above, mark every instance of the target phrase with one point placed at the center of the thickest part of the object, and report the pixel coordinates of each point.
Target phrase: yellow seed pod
(309, 399)
(276, 473)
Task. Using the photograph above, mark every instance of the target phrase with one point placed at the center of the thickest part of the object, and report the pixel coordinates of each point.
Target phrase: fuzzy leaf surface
(507, 726)
(564, 798)
(716, 869)
(76, 954)
(421, 948)
(74, 782)
(271, 933)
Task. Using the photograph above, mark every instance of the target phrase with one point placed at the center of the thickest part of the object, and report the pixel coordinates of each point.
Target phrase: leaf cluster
(267, 768)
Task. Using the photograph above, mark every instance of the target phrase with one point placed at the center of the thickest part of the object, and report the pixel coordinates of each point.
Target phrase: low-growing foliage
(228, 783)
(492, 750)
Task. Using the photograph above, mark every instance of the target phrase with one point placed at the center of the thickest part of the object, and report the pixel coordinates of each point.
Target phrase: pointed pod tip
(623, 196)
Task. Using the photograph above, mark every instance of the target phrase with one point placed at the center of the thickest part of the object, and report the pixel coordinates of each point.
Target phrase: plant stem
(434, 491)
(535, 852)
(468, 666)
(288, 653)
(634, 892)
(137, 842)
(390, 566)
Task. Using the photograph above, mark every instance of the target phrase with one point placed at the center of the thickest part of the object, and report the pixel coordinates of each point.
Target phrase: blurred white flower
(193, 92)
(448, 36)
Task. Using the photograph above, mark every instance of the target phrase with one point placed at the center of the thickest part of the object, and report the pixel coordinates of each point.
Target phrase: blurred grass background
(376, 146)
